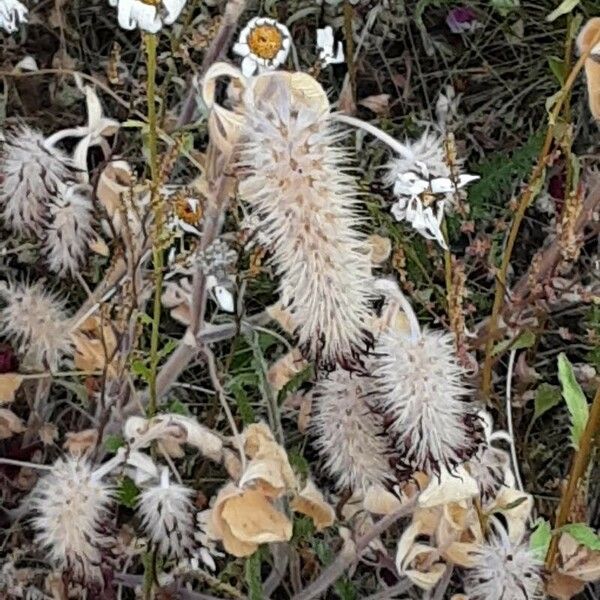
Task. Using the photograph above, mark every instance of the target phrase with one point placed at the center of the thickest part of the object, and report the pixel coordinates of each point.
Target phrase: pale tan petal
(9, 384)
(310, 502)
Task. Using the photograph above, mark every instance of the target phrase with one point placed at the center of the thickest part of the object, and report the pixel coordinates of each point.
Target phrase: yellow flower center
(265, 41)
(155, 3)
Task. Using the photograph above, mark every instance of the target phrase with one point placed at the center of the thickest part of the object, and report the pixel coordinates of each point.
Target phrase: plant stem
(578, 469)
(525, 200)
(157, 209)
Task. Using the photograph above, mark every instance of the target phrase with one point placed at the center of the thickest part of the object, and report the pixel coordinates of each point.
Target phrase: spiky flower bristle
(307, 205)
(347, 433)
(420, 389)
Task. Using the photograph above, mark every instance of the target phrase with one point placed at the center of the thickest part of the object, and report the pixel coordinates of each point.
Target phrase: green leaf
(558, 67)
(177, 407)
(546, 397)
(525, 340)
(540, 539)
(139, 367)
(505, 7)
(294, 383)
(583, 534)
(574, 397)
(565, 7)
(113, 442)
(253, 579)
(128, 492)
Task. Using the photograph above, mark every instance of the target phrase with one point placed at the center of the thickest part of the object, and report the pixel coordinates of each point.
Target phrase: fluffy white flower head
(35, 321)
(167, 516)
(147, 15)
(421, 390)
(308, 210)
(348, 434)
(70, 504)
(69, 229)
(504, 571)
(263, 44)
(12, 14)
(31, 172)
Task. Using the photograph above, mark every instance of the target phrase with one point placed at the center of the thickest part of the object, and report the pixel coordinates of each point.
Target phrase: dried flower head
(167, 516)
(70, 504)
(348, 434)
(12, 14)
(31, 172)
(69, 229)
(307, 206)
(421, 390)
(504, 571)
(263, 44)
(35, 322)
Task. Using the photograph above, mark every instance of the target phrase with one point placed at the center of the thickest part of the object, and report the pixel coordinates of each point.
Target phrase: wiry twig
(346, 558)
(509, 419)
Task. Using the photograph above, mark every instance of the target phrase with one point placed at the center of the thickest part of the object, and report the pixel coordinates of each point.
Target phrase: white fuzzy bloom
(263, 44)
(31, 171)
(147, 16)
(308, 209)
(12, 14)
(167, 516)
(504, 571)
(70, 504)
(348, 434)
(34, 320)
(421, 391)
(69, 229)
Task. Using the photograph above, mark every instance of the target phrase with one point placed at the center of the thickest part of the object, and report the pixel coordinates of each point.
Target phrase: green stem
(155, 202)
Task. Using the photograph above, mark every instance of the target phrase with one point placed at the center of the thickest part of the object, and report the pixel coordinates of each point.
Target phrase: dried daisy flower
(348, 435)
(263, 44)
(34, 320)
(71, 503)
(12, 14)
(421, 390)
(69, 229)
(31, 172)
(147, 16)
(504, 571)
(167, 516)
(307, 207)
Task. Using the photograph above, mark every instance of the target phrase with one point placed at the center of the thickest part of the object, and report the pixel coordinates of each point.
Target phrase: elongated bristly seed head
(504, 571)
(167, 517)
(35, 321)
(69, 229)
(70, 506)
(30, 174)
(420, 389)
(307, 208)
(347, 433)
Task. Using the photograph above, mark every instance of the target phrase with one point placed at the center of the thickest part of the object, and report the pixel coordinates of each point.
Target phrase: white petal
(241, 49)
(224, 299)
(249, 66)
(466, 179)
(442, 185)
(449, 487)
(173, 9)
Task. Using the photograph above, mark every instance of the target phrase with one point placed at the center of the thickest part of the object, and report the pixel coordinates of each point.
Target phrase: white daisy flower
(504, 571)
(12, 14)
(149, 15)
(325, 47)
(167, 516)
(263, 44)
(71, 502)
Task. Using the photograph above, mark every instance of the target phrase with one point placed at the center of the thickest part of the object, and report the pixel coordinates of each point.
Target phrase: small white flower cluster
(12, 14)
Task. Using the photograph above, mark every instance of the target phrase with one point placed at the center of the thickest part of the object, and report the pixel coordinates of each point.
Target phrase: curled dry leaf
(9, 424)
(9, 384)
(449, 487)
(282, 317)
(96, 346)
(577, 560)
(379, 104)
(516, 507)
(380, 249)
(285, 369)
(243, 519)
(310, 502)
(79, 442)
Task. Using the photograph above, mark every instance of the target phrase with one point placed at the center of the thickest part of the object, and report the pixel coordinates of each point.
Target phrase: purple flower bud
(461, 19)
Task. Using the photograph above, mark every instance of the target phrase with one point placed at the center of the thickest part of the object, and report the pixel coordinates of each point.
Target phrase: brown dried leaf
(9, 384)
(285, 369)
(563, 587)
(379, 103)
(380, 248)
(95, 343)
(310, 502)
(10, 424)
(79, 442)
(48, 433)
